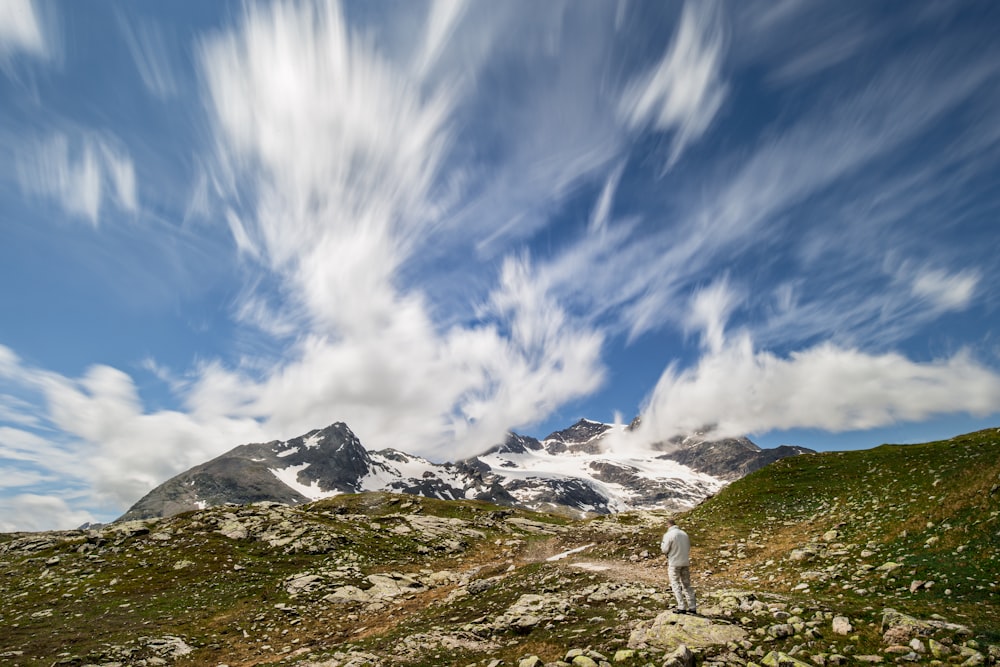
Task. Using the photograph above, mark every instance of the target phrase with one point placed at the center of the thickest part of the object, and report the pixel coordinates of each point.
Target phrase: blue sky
(233, 222)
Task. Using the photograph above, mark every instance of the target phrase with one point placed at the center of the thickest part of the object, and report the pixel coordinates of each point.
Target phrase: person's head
(671, 523)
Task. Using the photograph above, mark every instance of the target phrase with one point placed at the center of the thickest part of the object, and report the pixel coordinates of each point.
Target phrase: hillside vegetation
(883, 555)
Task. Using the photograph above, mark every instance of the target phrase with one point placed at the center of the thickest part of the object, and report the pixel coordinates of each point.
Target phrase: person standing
(677, 546)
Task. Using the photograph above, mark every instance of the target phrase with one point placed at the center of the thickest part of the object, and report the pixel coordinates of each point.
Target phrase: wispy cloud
(95, 437)
(799, 40)
(747, 206)
(685, 90)
(21, 31)
(946, 291)
(81, 176)
(148, 44)
(442, 18)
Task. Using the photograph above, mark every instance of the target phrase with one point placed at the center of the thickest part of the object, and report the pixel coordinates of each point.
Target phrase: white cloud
(684, 91)
(344, 147)
(20, 479)
(442, 19)
(329, 156)
(37, 512)
(946, 291)
(737, 390)
(121, 172)
(80, 179)
(14, 410)
(20, 30)
(19, 445)
(92, 439)
(710, 309)
(802, 39)
(599, 217)
(127, 450)
(557, 130)
(485, 379)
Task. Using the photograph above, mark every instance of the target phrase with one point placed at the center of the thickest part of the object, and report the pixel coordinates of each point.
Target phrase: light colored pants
(680, 581)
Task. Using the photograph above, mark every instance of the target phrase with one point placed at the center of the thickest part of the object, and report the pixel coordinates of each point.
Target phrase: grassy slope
(932, 509)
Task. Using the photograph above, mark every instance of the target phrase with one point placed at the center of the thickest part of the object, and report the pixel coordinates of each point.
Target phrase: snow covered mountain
(574, 468)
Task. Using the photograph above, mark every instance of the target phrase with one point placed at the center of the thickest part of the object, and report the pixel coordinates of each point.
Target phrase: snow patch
(289, 477)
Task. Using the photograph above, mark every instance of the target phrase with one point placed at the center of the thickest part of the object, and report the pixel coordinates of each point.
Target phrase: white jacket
(677, 545)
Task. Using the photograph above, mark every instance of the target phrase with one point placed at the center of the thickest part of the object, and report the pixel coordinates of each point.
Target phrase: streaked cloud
(946, 291)
(81, 176)
(21, 31)
(684, 91)
(148, 44)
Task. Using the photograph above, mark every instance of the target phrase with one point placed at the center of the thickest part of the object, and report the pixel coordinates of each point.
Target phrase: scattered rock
(841, 625)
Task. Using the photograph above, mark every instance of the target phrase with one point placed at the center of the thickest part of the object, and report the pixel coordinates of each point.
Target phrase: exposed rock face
(583, 436)
(728, 459)
(332, 459)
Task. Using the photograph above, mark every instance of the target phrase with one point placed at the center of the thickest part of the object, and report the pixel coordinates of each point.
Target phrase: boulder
(842, 625)
(680, 657)
(780, 631)
(899, 628)
(302, 583)
(670, 630)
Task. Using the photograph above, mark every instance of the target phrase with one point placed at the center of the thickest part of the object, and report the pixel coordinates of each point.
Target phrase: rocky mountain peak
(581, 431)
(583, 436)
(332, 459)
(514, 444)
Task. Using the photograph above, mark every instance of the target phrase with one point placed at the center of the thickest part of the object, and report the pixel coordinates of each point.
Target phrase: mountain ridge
(574, 469)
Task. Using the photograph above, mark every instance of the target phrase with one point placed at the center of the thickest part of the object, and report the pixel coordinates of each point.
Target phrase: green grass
(932, 507)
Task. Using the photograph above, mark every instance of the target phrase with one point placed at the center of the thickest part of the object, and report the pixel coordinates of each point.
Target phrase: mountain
(880, 556)
(576, 468)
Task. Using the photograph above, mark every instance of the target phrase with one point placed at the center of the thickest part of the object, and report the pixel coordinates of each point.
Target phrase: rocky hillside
(888, 555)
(575, 470)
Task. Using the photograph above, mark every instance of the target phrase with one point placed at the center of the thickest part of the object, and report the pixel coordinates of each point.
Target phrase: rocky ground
(845, 559)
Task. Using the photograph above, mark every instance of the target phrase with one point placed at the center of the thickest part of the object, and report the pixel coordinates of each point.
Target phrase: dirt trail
(652, 571)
